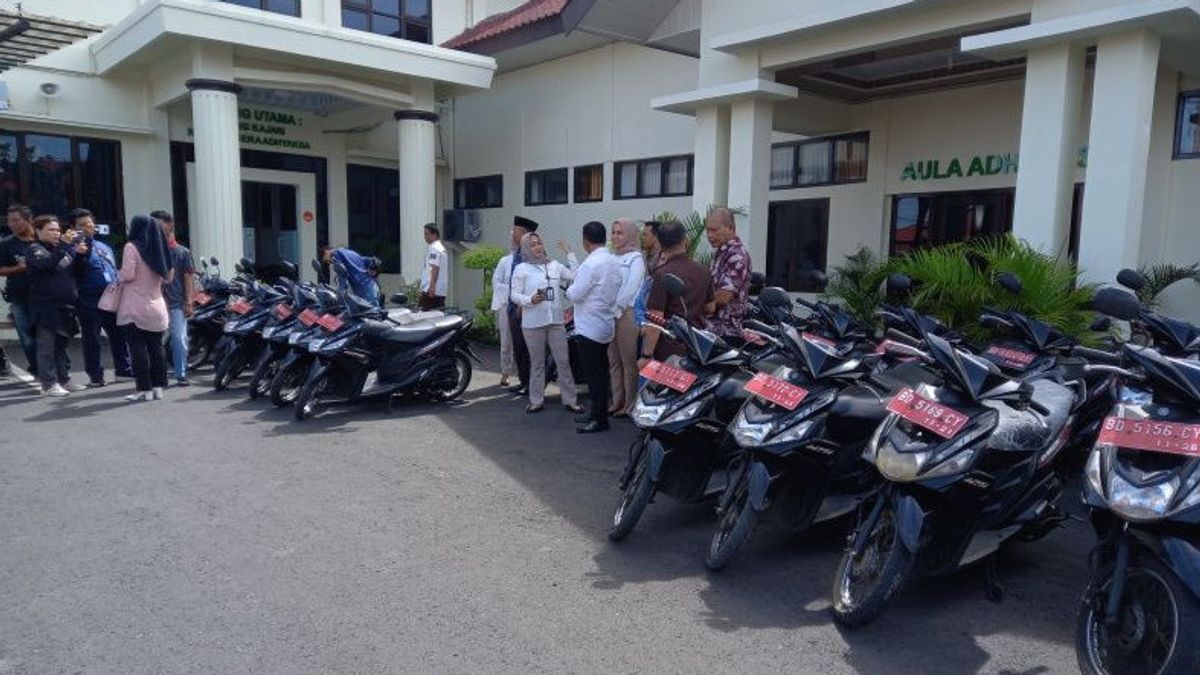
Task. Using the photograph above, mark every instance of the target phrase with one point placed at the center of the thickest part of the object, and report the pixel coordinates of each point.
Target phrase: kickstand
(993, 588)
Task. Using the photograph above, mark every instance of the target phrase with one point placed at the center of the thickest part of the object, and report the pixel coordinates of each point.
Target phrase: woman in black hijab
(142, 314)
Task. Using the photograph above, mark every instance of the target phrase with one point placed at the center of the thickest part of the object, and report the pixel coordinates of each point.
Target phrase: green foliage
(1162, 275)
(955, 282)
(484, 258)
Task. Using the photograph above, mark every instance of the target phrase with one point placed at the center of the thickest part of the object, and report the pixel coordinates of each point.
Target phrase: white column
(1049, 128)
(710, 172)
(216, 214)
(418, 188)
(750, 173)
(1118, 151)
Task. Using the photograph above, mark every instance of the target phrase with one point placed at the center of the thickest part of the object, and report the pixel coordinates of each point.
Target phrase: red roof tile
(528, 13)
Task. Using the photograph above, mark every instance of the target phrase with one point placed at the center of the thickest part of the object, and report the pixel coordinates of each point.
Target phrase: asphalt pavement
(207, 533)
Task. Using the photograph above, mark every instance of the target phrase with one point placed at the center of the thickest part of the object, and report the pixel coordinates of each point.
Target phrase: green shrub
(484, 258)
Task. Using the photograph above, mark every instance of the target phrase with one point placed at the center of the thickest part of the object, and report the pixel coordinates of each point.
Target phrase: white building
(879, 123)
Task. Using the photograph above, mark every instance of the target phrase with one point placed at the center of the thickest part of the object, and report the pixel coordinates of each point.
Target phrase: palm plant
(1161, 275)
(694, 224)
(856, 284)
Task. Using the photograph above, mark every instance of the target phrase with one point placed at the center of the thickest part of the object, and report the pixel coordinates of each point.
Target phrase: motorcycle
(1141, 606)
(243, 342)
(365, 355)
(207, 323)
(967, 464)
(682, 412)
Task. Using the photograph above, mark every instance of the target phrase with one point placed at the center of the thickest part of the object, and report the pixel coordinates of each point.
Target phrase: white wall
(588, 108)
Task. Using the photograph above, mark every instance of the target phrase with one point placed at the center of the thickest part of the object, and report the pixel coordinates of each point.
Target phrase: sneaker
(72, 387)
(182, 382)
(96, 384)
(55, 390)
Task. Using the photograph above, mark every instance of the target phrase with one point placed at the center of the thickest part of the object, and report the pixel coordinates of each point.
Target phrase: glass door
(269, 225)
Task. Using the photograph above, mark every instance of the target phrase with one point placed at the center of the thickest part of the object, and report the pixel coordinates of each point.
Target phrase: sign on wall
(269, 129)
(979, 165)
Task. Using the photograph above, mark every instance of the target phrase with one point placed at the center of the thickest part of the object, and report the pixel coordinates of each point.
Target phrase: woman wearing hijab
(142, 314)
(537, 286)
(53, 264)
(622, 351)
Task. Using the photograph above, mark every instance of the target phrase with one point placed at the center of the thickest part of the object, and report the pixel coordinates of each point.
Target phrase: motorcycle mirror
(1100, 324)
(757, 281)
(237, 267)
(1131, 279)
(247, 265)
(316, 265)
(1117, 303)
(204, 264)
(815, 278)
(399, 299)
(775, 297)
(213, 261)
(898, 284)
(674, 285)
(1010, 282)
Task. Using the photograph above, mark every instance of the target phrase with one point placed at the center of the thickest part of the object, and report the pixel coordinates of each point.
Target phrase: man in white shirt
(501, 287)
(435, 272)
(594, 293)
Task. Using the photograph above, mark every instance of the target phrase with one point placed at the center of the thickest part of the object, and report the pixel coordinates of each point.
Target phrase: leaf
(1162, 275)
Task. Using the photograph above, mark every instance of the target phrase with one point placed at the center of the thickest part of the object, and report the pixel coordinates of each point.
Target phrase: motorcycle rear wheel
(634, 498)
(308, 400)
(199, 350)
(260, 382)
(1151, 636)
(285, 385)
(863, 584)
(733, 529)
(462, 370)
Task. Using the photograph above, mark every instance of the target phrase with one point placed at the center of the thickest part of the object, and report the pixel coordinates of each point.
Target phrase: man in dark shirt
(97, 273)
(178, 293)
(661, 305)
(13, 253)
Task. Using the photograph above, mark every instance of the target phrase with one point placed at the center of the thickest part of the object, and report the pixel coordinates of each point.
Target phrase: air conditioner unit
(462, 225)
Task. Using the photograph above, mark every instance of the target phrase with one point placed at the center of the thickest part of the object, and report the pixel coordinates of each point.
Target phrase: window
(53, 174)
(484, 192)
(797, 240)
(660, 177)
(289, 7)
(373, 196)
(919, 221)
(1187, 128)
(589, 183)
(545, 187)
(407, 19)
(820, 161)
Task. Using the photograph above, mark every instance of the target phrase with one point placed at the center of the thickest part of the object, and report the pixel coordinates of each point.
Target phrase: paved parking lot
(207, 533)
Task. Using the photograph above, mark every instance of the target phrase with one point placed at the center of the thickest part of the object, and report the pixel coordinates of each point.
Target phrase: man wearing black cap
(521, 227)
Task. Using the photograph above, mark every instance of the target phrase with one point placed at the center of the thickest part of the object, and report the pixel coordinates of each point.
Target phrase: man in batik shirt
(730, 276)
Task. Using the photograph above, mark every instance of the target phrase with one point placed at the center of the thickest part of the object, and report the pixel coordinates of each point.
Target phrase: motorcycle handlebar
(1097, 355)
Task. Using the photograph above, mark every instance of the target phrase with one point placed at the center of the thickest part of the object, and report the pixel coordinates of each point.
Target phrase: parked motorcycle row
(309, 345)
(937, 452)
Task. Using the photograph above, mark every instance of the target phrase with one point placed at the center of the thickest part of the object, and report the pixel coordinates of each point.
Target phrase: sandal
(575, 408)
(531, 409)
(504, 381)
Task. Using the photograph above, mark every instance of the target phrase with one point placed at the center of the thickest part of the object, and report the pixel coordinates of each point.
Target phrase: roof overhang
(687, 102)
(806, 22)
(160, 27)
(24, 37)
(1178, 21)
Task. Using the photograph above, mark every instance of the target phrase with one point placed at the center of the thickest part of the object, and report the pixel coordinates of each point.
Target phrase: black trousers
(146, 352)
(520, 351)
(91, 321)
(593, 361)
(53, 364)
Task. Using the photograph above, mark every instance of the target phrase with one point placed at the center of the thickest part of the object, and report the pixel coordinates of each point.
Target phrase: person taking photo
(52, 265)
(97, 271)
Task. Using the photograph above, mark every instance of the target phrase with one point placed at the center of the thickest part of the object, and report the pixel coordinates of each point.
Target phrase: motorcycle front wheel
(1152, 633)
(286, 383)
(455, 379)
(733, 529)
(264, 373)
(309, 399)
(231, 365)
(199, 350)
(864, 583)
(634, 498)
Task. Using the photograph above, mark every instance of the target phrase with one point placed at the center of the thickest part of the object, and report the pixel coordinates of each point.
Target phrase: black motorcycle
(967, 465)
(1141, 607)
(682, 412)
(365, 356)
(243, 343)
(207, 323)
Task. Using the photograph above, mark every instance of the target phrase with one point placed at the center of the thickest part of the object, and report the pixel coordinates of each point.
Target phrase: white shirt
(528, 279)
(501, 282)
(632, 267)
(436, 257)
(595, 295)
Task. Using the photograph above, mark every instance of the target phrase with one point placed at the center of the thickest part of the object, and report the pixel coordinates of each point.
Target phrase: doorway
(797, 242)
(269, 225)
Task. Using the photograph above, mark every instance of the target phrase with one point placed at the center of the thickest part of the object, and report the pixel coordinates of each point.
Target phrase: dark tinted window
(373, 196)
(589, 183)
(919, 221)
(407, 19)
(797, 243)
(483, 192)
(289, 7)
(658, 177)
(53, 174)
(546, 187)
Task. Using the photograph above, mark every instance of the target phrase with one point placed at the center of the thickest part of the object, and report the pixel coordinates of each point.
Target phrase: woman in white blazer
(538, 285)
(501, 288)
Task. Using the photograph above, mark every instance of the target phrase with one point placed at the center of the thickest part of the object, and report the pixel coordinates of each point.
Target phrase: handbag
(110, 300)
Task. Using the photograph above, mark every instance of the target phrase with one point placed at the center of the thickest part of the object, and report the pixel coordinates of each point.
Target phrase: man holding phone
(98, 272)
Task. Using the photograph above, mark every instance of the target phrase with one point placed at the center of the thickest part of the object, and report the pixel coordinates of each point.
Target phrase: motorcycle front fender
(760, 486)
(910, 520)
(316, 370)
(658, 458)
(1181, 556)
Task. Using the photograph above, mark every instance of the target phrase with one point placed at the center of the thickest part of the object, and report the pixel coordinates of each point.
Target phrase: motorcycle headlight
(315, 346)
(934, 462)
(1140, 503)
(688, 406)
(645, 415)
(902, 467)
(231, 326)
(270, 332)
(686, 413)
(329, 345)
(749, 434)
(294, 338)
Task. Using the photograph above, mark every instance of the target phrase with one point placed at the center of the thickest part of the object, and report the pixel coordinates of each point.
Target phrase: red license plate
(282, 311)
(239, 306)
(1008, 357)
(308, 317)
(202, 298)
(669, 376)
(934, 416)
(776, 391)
(330, 322)
(753, 338)
(1174, 438)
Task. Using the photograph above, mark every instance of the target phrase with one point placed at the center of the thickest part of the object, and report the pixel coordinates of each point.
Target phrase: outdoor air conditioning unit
(462, 225)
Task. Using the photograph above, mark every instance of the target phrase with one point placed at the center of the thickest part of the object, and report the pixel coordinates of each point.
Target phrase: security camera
(49, 89)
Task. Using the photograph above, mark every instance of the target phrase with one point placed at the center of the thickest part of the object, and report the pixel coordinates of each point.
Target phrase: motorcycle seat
(411, 333)
(1025, 430)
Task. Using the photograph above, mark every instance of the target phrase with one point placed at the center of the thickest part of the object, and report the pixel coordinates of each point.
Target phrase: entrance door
(269, 220)
(797, 239)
